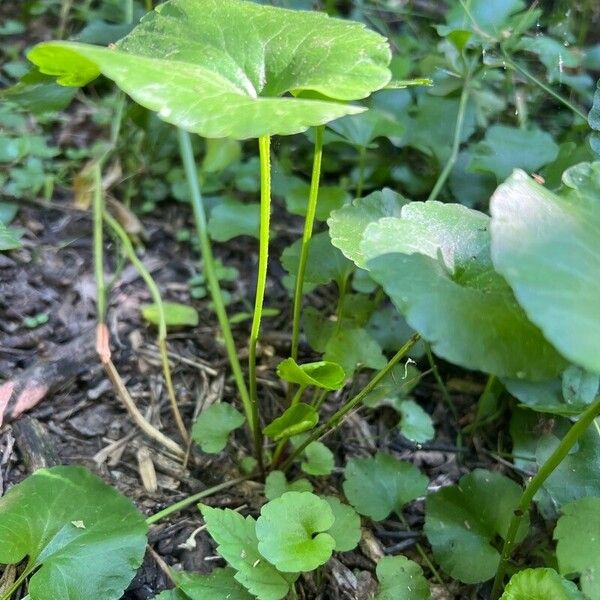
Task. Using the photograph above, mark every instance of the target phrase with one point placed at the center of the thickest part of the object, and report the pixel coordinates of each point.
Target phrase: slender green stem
(511, 63)
(165, 512)
(128, 17)
(306, 235)
(162, 322)
(335, 420)
(149, 5)
(264, 145)
(462, 107)
(98, 208)
(208, 261)
(362, 158)
(536, 482)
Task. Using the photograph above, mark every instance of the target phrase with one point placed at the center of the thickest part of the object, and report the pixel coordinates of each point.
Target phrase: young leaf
(276, 485)
(82, 539)
(213, 426)
(238, 545)
(382, 484)
(296, 419)
(218, 584)
(219, 67)
(318, 459)
(578, 550)
(540, 584)
(291, 532)
(400, 579)
(346, 526)
(547, 247)
(435, 265)
(176, 315)
(322, 374)
(461, 521)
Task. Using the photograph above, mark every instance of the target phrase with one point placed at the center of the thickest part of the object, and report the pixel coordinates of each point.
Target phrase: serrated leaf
(540, 584)
(462, 521)
(322, 374)
(238, 545)
(176, 315)
(435, 265)
(578, 549)
(219, 584)
(276, 485)
(97, 560)
(379, 485)
(346, 527)
(547, 247)
(213, 426)
(400, 579)
(318, 459)
(291, 532)
(296, 419)
(231, 218)
(219, 67)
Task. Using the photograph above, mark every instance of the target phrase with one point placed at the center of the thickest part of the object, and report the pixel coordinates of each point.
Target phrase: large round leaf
(220, 67)
(540, 584)
(80, 536)
(435, 265)
(548, 248)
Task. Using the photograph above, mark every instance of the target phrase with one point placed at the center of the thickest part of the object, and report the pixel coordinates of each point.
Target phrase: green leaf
(219, 67)
(360, 130)
(388, 327)
(415, 424)
(462, 521)
(346, 527)
(318, 459)
(220, 583)
(382, 484)
(276, 485)
(352, 347)
(435, 265)
(594, 121)
(176, 315)
(322, 374)
(394, 388)
(401, 579)
(578, 549)
(220, 153)
(81, 538)
(330, 198)
(238, 545)
(506, 148)
(8, 211)
(579, 387)
(10, 238)
(296, 419)
(347, 225)
(231, 218)
(547, 247)
(540, 584)
(291, 532)
(213, 426)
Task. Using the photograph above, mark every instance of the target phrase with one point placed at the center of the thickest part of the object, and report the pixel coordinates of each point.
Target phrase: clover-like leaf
(80, 537)
(296, 419)
(218, 584)
(213, 426)
(435, 265)
(318, 459)
(540, 584)
(547, 246)
(401, 579)
(322, 374)
(276, 485)
(578, 550)
(219, 67)
(238, 545)
(176, 315)
(291, 531)
(346, 527)
(462, 521)
(382, 484)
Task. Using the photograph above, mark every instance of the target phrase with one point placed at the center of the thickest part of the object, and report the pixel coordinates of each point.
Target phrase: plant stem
(98, 208)
(264, 146)
(335, 420)
(162, 323)
(563, 448)
(462, 107)
(128, 18)
(362, 156)
(306, 235)
(165, 512)
(208, 262)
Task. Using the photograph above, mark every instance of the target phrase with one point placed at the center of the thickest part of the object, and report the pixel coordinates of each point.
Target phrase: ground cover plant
(392, 331)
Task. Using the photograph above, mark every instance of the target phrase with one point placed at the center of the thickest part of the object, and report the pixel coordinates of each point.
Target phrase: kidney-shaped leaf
(291, 531)
(435, 265)
(540, 584)
(296, 419)
(462, 520)
(548, 248)
(219, 67)
(80, 536)
(322, 374)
